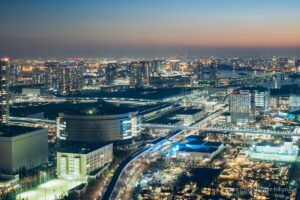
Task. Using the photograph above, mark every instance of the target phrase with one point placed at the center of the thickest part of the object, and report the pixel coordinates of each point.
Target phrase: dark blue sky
(149, 27)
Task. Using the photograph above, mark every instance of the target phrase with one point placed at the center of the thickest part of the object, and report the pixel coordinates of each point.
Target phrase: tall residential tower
(4, 98)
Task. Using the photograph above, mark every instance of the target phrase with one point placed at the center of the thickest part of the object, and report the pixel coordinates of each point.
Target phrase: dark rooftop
(268, 144)
(12, 131)
(52, 110)
(164, 121)
(93, 109)
(213, 144)
(4, 179)
(194, 139)
(148, 93)
(83, 148)
(200, 150)
(251, 88)
(191, 111)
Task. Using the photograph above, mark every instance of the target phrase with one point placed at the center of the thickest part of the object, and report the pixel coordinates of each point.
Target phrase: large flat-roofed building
(80, 161)
(31, 92)
(189, 115)
(196, 149)
(22, 147)
(94, 124)
(284, 152)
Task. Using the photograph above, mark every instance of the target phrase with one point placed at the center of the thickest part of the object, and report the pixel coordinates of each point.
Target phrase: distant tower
(198, 71)
(70, 78)
(51, 74)
(297, 65)
(4, 96)
(146, 67)
(213, 71)
(136, 75)
(110, 73)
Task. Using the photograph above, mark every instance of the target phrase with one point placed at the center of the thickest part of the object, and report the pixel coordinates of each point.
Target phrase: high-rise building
(51, 78)
(146, 67)
(65, 78)
(4, 96)
(261, 100)
(213, 71)
(155, 67)
(198, 71)
(136, 75)
(297, 65)
(241, 107)
(70, 78)
(110, 73)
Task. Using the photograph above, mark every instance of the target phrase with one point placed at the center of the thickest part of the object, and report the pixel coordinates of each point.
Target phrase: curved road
(123, 164)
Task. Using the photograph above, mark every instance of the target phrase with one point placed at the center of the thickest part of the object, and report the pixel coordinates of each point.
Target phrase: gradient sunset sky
(149, 27)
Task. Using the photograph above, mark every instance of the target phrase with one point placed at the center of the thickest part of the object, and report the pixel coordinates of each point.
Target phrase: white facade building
(78, 162)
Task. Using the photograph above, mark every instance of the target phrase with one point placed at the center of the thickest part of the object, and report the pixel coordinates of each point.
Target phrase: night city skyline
(149, 100)
(149, 28)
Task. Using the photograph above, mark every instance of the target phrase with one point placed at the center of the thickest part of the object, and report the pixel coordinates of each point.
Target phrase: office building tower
(213, 71)
(65, 78)
(198, 71)
(70, 78)
(146, 68)
(110, 73)
(297, 65)
(51, 74)
(135, 75)
(262, 100)
(241, 107)
(4, 96)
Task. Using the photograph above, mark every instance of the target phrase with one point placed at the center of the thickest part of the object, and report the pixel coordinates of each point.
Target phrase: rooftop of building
(52, 110)
(80, 148)
(99, 108)
(194, 139)
(288, 139)
(4, 179)
(252, 88)
(148, 93)
(199, 150)
(165, 121)
(12, 130)
(188, 111)
(266, 144)
(213, 144)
